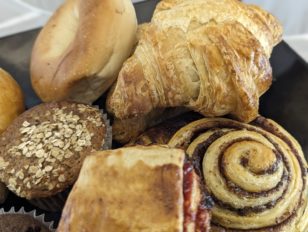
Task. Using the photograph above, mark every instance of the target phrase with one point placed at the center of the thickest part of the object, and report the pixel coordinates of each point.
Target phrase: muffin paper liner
(34, 214)
(53, 203)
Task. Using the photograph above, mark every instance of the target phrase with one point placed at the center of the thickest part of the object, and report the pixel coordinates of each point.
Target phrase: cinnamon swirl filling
(256, 174)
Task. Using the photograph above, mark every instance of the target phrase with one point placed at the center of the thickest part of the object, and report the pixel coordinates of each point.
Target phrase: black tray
(286, 102)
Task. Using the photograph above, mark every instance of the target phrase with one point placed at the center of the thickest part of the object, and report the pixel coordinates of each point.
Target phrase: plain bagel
(78, 54)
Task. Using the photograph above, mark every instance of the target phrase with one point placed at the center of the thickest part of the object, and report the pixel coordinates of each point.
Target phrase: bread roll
(80, 51)
(11, 100)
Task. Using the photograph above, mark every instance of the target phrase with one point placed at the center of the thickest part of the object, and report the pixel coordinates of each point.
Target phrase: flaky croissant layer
(211, 56)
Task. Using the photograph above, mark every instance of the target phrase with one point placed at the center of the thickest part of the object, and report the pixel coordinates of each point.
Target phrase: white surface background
(22, 15)
(293, 14)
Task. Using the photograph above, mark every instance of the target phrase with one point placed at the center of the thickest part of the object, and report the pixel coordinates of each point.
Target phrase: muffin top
(20, 223)
(41, 153)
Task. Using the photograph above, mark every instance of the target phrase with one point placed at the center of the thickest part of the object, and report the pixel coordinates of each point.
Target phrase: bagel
(79, 52)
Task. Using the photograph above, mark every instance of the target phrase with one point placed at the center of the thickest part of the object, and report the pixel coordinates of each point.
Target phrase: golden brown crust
(11, 100)
(124, 131)
(79, 52)
(209, 56)
(162, 133)
(42, 151)
(256, 174)
(129, 189)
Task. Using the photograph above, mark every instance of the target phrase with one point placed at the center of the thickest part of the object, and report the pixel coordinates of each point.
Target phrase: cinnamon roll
(256, 173)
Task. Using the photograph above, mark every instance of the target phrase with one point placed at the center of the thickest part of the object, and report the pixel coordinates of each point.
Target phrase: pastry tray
(286, 102)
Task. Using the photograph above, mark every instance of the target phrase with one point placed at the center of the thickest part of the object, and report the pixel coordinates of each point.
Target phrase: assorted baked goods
(78, 54)
(191, 173)
(207, 55)
(149, 188)
(256, 173)
(42, 151)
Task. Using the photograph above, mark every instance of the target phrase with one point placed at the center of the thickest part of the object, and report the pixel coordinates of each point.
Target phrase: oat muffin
(41, 153)
(20, 223)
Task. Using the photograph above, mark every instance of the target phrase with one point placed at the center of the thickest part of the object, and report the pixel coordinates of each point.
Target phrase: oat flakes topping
(46, 143)
(3, 164)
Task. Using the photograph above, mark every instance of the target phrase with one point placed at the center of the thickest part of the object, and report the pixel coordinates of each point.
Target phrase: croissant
(211, 56)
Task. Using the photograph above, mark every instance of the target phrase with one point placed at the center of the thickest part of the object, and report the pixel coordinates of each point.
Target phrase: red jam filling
(201, 218)
(187, 188)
